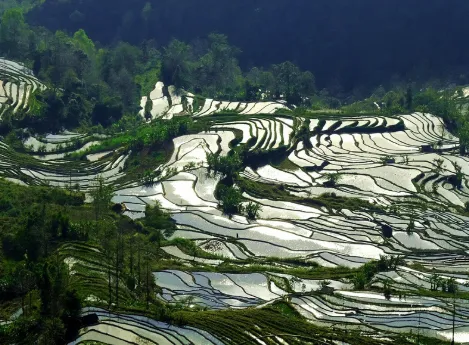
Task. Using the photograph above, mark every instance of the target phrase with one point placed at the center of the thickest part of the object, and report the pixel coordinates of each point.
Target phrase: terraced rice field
(134, 329)
(17, 84)
(225, 290)
(330, 237)
(404, 167)
(176, 104)
(379, 159)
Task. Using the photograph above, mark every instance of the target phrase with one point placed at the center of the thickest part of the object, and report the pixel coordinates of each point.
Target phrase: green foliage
(410, 227)
(279, 318)
(456, 179)
(217, 71)
(231, 199)
(332, 179)
(148, 79)
(145, 136)
(303, 134)
(177, 63)
(387, 290)
(157, 219)
(83, 42)
(292, 83)
(14, 33)
(252, 210)
(99, 86)
(367, 271)
(409, 98)
(226, 165)
(439, 165)
(328, 200)
(448, 285)
(149, 177)
(102, 195)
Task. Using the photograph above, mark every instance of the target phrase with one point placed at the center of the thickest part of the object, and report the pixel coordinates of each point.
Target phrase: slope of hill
(289, 229)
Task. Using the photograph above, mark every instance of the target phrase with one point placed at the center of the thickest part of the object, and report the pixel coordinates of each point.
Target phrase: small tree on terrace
(231, 199)
(303, 134)
(157, 219)
(387, 290)
(252, 210)
(332, 179)
(459, 176)
(439, 165)
(463, 134)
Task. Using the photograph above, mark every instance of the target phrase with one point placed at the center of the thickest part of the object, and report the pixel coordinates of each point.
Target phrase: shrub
(332, 179)
(410, 227)
(118, 208)
(158, 219)
(387, 160)
(231, 199)
(148, 108)
(387, 230)
(252, 210)
(148, 177)
(457, 179)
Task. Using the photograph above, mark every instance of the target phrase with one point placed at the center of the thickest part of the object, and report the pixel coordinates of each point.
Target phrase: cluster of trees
(88, 85)
(35, 222)
(346, 57)
(211, 69)
(160, 132)
(445, 284)
(366, 272)
(231, 197)
(93, 85)
(284, 80)
(228, 165)
(32, 221)
(51, 308)
(129, 248)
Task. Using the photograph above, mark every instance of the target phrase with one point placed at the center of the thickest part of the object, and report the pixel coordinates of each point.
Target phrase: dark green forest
(351, 46)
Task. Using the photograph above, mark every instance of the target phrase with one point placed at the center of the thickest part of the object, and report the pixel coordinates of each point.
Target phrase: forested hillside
(348, 45)
(239, 172)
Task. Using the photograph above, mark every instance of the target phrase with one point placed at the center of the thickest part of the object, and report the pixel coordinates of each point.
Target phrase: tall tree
(102, 195)
(177, 63)
(287, 79)
(25, 281)
(217, 71)
(14, 33)
(409, 97)
(107, 234)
